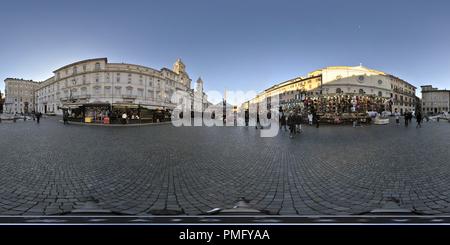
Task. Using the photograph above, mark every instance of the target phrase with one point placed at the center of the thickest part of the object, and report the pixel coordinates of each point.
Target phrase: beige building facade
(20, 95)
(403, 96)
(347, 80)
(97, 81)
(334, 80)
(435, 100)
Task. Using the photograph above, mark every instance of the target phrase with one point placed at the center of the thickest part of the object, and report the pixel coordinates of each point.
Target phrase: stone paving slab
(50, 168)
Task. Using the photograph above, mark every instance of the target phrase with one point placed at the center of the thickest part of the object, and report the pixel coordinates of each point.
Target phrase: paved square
(49, 168)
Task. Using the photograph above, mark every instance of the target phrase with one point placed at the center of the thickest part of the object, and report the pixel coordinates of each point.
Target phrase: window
(129, 91)
(74, 70)
(97, 66)
(97, 91)
(106, 90)
(84, 68)
(118, 80)
(149, 94)
(107, 80)
(338, 91)
(117, 91)
(140, 93)
(129, 80)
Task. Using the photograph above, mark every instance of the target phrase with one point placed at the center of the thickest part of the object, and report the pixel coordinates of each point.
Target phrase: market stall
(75, 111)
(149, 112)
(96, 112)
(131, 110)
(338, 108)
(168, 110)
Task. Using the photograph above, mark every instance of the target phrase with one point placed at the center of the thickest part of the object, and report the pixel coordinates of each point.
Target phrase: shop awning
(156, 106)
(69, 106)
(127, 105)
(96, 104)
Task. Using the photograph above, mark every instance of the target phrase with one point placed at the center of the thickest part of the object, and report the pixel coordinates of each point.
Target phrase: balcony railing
(128, 96)
(75, 97)
(84, 96)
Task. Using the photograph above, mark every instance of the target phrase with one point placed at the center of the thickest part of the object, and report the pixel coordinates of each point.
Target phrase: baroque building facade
(97, 81)
(398, 94)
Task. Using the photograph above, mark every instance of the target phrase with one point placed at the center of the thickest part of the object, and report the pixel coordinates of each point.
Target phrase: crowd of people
(292, 121)
(408, 118)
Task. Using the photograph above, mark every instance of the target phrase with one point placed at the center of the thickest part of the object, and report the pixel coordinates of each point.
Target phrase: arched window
(361, 91)
(380, 94)
(338, 91)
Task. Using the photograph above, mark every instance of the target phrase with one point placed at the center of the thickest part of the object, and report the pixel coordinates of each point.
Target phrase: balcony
(129, 96)
(84, 96)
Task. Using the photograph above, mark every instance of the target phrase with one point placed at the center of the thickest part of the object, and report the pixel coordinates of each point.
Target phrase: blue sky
(246, 45)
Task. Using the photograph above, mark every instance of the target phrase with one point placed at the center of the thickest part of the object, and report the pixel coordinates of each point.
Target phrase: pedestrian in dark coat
(291, 122)
(38, 116)
(283, 121)
(65, 117)
(419, 119)
(257, 120)
(246, 118)
(299, 123)
(317, 120)
(406, 119)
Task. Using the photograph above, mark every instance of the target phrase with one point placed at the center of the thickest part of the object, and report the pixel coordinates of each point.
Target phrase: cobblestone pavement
(49, 168)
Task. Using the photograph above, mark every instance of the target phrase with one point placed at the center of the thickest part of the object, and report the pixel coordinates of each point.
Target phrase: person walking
(283, 121)
(406, 118)
(291, 123)
(65, 116)
(299, 123)
(246, 118)
(419, 119)
(317, 120)
(310, 119)
(397, 117)
(257, 120)
(38, 116)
